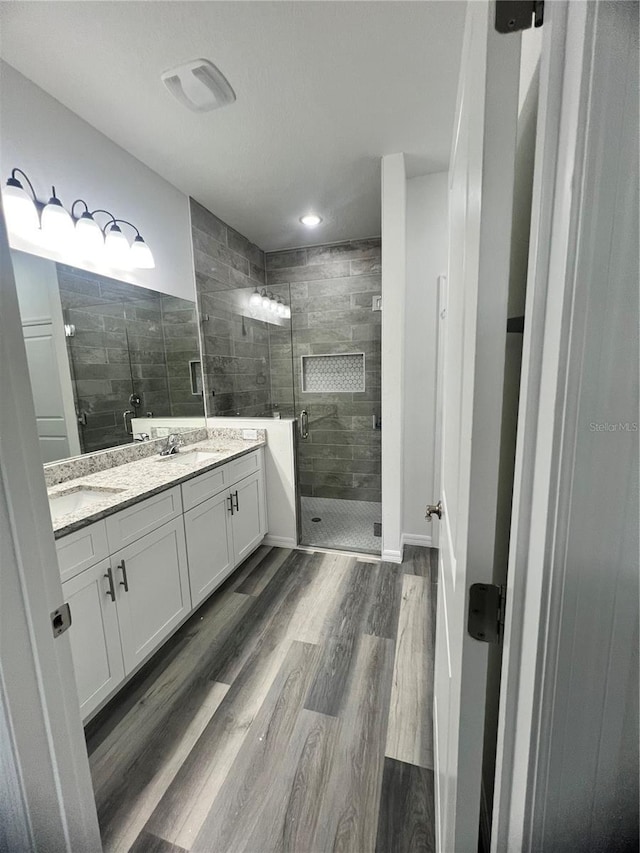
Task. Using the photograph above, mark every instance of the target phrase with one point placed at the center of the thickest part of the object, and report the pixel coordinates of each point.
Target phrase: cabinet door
(153, 590)
(94, 636)
(209, 545)
(248, 520)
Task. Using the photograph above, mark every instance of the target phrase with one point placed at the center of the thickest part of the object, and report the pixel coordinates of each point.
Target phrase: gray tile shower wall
(332, 290)
(237, 366)
(180, 326)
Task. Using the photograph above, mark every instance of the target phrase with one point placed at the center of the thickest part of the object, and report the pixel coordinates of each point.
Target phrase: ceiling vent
(199, 85)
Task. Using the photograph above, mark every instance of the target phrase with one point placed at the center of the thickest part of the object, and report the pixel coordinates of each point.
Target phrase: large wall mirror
(103, 353)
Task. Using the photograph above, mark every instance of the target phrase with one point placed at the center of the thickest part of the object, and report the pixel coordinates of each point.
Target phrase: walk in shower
(320, 365)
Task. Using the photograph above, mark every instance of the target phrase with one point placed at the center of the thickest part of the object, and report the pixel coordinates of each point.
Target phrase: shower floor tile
(343, 524)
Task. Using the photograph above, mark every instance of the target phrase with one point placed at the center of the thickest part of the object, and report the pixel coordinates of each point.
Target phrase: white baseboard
(417, 539)
(279, 541)
(390, 556)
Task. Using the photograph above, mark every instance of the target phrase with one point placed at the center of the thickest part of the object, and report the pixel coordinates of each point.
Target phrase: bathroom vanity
(142, 544)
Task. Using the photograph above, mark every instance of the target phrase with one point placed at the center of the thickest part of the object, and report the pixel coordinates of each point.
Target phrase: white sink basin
(76, 500)
(192, 457)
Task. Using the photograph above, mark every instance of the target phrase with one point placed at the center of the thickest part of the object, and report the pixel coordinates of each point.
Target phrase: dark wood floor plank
(256, 661)
(293, 636)
(406, 822)
(271, 606)
(421, 561)
(258, 575)
(262, 758)
(148, 843)
(346, 624)
(134, 764)
(382, 618)
(348, 815)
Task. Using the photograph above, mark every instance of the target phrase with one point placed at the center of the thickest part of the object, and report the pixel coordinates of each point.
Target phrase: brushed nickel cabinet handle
(124, 582)
(237, 502)
(230, 499)
(111, 592)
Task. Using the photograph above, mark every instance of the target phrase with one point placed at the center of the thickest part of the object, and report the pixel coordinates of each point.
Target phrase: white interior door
(49, 371)
(481, 180)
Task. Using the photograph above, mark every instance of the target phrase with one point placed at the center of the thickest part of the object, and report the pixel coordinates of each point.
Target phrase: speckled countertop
(116, 488)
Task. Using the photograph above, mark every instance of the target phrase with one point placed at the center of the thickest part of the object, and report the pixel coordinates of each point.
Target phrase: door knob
(433, 509)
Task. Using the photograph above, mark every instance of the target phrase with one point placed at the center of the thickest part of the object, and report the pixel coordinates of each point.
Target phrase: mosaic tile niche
(333, 374)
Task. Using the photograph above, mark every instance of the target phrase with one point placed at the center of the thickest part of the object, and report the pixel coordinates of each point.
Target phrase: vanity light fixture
(66, 231)
(311, 220)
(56, 222)
(269, 303)
(21, 209)
(89, 236)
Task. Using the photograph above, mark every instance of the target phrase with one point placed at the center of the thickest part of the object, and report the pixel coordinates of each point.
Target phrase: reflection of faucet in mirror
(172, 446)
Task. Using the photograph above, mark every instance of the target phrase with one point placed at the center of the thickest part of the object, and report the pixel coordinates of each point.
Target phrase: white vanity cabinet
(94, 635)
(167, 554)
(223, 530)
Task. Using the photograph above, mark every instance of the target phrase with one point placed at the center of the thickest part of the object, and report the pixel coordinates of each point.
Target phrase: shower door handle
(304, 424)
(128, 427)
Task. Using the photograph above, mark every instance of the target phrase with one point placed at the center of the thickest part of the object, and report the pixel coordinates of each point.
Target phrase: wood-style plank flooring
(291, 713)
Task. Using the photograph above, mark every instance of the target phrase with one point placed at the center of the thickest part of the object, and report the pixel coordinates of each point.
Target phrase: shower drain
(316, 518)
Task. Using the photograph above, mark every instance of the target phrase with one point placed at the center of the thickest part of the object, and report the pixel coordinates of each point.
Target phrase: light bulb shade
(255, 300)
(57, 224)
(141, 257)
(266, 302)
(117, 248)
(282, 309)
(287, 312)
(89, 237)
(273, 305)
(20, 211)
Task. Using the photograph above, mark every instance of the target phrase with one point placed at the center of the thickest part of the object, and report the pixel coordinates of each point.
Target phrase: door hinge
(61, 619)
(487, 603)
(515, 15)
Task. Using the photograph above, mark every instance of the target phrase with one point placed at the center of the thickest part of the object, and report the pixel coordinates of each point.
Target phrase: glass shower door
(335, 347)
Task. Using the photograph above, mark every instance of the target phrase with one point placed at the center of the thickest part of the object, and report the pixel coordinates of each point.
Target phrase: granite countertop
(116, 488)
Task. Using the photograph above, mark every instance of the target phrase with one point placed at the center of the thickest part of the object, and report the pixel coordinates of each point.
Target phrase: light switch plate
(250, 434)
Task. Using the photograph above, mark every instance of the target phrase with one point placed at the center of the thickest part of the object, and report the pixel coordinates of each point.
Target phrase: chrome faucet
(172, 446)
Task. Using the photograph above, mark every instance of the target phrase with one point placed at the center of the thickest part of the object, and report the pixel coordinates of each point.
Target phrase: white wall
(56, 147)
(394, 190)
(426, 245)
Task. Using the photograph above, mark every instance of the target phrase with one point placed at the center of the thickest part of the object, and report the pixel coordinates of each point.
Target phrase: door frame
(48, 751)
(533, 614)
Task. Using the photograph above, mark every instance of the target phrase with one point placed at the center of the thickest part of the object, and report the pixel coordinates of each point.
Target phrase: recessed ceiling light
(311, 220)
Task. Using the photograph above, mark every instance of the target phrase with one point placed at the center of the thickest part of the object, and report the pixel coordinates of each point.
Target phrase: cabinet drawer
(244, 466)
(205, 486)
(79, 550)
(130, 524)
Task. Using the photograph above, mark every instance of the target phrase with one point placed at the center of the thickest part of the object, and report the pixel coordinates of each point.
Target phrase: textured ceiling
(324, 89)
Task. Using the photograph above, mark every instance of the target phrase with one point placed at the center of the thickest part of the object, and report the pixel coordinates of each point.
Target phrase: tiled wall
(332, 290)
(127, 339)
(237, 368)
